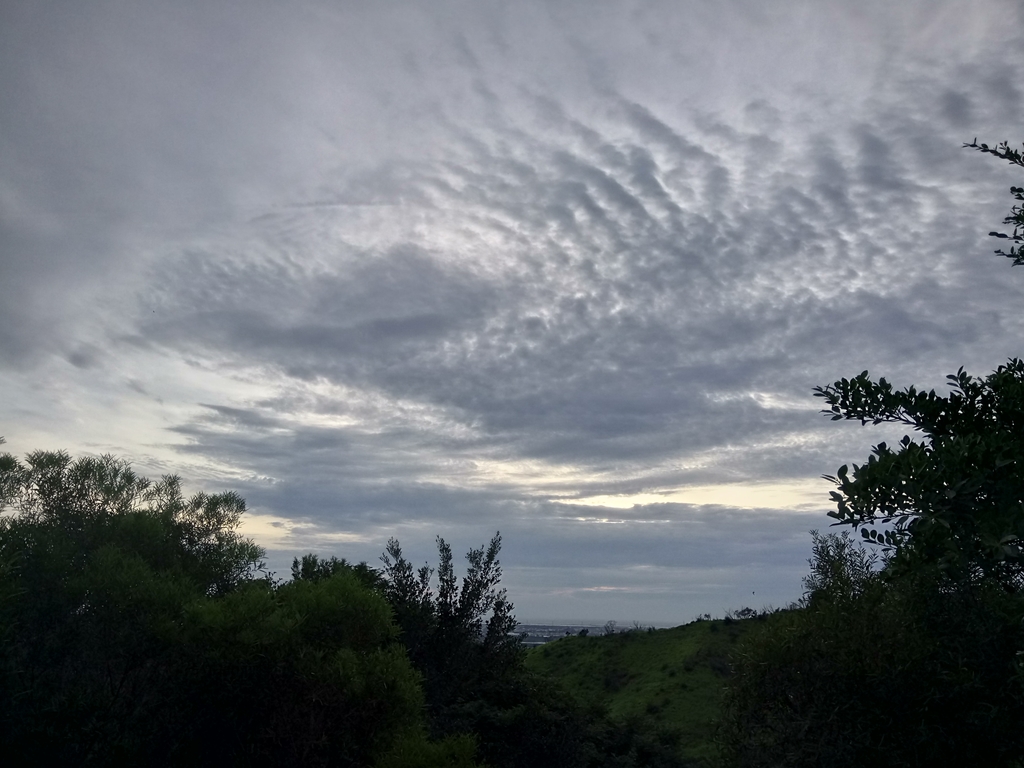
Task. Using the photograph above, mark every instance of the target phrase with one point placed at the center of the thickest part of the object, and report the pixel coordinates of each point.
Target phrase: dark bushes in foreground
(135, 628)
(879, 669)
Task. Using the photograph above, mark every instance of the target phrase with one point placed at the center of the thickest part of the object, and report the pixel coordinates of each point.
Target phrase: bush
(879, 670)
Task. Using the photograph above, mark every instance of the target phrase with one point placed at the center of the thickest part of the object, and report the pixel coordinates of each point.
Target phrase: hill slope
(668, 680)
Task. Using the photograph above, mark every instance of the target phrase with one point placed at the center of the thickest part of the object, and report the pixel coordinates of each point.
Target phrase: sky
(565, 270)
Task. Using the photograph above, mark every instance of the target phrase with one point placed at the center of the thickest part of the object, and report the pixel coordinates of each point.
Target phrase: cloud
(407, 270)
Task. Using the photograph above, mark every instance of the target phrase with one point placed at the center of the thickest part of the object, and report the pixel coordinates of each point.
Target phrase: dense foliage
(955, 497)
(135, 628)
(881, 669)
(138, 627)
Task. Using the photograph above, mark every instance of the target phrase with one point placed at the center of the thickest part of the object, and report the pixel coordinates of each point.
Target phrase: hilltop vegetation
(138, 627)
(669, 683)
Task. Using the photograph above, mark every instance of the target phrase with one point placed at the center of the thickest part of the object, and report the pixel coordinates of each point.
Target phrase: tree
(916, 662)
(1016, 217)
(878, 669)
(99, 563)
(135, 628)
(80, 500)
(308, 673)
(461, 636)
(312, 567)
(955, 497)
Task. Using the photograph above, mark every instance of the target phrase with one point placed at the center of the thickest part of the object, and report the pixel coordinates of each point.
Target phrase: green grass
(669, 680)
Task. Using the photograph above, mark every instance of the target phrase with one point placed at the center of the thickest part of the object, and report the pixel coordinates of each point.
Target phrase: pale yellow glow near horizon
(276, 532)
(798, 496)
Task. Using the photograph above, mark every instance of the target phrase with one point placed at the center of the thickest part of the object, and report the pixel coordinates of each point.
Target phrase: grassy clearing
(668, 680)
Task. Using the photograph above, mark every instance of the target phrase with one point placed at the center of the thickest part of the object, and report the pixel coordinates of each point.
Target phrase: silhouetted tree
(136, 629)
(1016, 217)
(880, 670)
(314, 568)
(461, 637)
(954, 497)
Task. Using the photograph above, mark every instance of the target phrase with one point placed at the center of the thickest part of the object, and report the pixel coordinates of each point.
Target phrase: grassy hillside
(669, 680)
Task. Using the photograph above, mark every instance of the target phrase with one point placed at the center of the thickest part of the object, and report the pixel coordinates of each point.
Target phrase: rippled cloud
(563, 271)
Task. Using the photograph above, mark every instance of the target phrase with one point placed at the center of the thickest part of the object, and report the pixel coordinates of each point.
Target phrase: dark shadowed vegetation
(137, 628)
(880, 668)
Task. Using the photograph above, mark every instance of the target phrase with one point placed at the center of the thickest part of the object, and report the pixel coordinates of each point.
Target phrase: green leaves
(952, 496)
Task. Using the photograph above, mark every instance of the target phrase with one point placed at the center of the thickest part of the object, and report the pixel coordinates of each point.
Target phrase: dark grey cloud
(956, 108)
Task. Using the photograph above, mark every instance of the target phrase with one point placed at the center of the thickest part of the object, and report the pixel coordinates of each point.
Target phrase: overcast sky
(567, 270)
